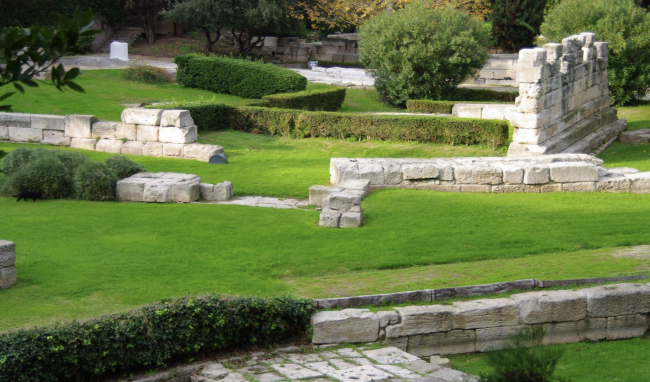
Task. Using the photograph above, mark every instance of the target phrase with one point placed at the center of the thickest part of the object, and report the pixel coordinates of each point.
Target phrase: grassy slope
(624, 361)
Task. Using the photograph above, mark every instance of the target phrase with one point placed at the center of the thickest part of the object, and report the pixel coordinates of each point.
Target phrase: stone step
(598, 138)
(560, 142)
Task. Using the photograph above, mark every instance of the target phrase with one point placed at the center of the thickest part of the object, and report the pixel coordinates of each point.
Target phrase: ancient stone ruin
(164, 187)
(7, 264)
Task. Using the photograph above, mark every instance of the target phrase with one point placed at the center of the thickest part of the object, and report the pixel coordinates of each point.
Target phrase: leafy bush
(25, 13)
(247, 79)
(318, 99)
(150, 337)
(18, 158)
(515, 23)
(462, 95)
(123, 167)
(421, 52)
(624, 25)
(147, 74)
(45, 174)
(70, 159)
(523, 359)
(429, 106)
(95, 181)
(207, 115)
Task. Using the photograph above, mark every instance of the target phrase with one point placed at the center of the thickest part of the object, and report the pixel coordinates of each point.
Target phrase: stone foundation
(7, 264)
(341, 205)
(164, 187)
(500, 70)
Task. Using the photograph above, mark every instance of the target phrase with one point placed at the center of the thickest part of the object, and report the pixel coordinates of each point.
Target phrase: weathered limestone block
(55, 137)
(220, 192)
(16, 120)
(350, 220)
(178, 134)
(48, 122)
(109, 146)
(176, 118)
(392, 355)
(344, 201)
(329, 219)
(393, 173)
(362, 185)
(104, 130)
(571, 172)
(551, 306)
(20, 134)
(617, 300)
(185, 192)
(420, 171)
(7, 253)
(579, 187)
(201, 152)
(619, 184)
(4, 133)
(79, 126)
(640, 183)
(172, 150)
(475, 112)
(132, 148)
(518, 188)
(152, 149)
(512, 174)
(593, 329)
(149, 117)
(83, 143)
(387, 317)
(374, 172)
(495, 338)
(621, 327)
(423, 319)
(453, 342)
(7, 277)
(485, 313)
(348, 325)
(147, 133)
(130, 190)
(157, 192)
(536, 174)
(342, 169)
(475, 188)
(478, 175)
(318, 193)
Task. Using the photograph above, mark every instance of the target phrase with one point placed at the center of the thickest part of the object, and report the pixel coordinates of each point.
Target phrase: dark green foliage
(70, 159)
(95, 181)
(243, 78)
(330, 64)
(45, 174)
(523, 359)
(462, 95)
(123, 167)
(149, 337)
(314, 100)
(515, 23)
(26, 13)
(207, 116)
(428, 106)
(422, 52)
(18, 158)
(624, 25)
(147, 74)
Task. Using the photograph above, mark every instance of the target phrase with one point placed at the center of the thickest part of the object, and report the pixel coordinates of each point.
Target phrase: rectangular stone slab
(421, 320)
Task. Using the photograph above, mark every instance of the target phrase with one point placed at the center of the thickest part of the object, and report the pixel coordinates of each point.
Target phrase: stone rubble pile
(164, 187)
(7, 264)
(341, 204)
(606, 312)
(148, 132)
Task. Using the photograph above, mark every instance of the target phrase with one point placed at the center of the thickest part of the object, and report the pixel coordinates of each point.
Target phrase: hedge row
(149, 337)
(207, 116)
(243, 78)
(429, 106)
(462, 95)
(314, 100)
(26, 13)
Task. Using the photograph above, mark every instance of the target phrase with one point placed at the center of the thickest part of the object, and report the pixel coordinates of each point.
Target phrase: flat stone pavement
(102, 61)
(322, 365)
(263, 201)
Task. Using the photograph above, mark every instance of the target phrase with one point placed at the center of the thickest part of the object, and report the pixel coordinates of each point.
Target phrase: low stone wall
(340, 205)
(537, 174)
(148, 132)
(608, 312)
(165, 187)
(501, 111)
(335, 47)
(500, 70)
(7, 264)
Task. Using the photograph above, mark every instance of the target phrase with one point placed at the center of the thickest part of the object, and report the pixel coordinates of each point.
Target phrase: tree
(147, 11)
(251, 19)
(30, 52)
(211, 16)
(515, 23)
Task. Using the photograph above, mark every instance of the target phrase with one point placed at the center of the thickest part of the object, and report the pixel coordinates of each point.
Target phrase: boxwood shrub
(243, 78)
(207, 115)
(314, 100)
(429, 106)
(150, 337)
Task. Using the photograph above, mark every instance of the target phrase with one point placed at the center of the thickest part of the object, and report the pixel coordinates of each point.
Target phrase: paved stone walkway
(263, 201)
(324, 365)
(101, 61)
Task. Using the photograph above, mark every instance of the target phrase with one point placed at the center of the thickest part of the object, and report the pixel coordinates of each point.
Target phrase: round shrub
(18, 158)
(70, 159)
(515, 23)
(95, 181)
(45, 174)
(123, 167)
(624, 25)
(422, 52)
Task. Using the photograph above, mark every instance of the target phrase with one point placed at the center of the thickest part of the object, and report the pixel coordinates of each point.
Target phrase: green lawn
(623, 361)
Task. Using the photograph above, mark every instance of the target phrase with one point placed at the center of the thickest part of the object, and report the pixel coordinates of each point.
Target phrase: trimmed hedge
(247, 79)
(207, 116)
(314, 100)
(149, 337)
(462, 95)
(429, 106)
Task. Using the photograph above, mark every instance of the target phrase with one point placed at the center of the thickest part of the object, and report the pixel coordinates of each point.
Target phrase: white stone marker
(119, 50)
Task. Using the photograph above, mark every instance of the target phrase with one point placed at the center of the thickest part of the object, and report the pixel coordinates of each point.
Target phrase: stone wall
(148, 132)
(341, 204)
(563, 103)
(609, 312)
(335, 47)
(166, 187)
(7, 264)
(500, 70)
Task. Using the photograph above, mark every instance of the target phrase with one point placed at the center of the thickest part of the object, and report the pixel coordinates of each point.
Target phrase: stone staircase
(124, 34)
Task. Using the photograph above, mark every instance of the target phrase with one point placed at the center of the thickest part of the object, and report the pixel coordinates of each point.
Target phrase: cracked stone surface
(263, 201)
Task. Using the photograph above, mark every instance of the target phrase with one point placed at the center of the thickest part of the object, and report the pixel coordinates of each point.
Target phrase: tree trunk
(209, 43)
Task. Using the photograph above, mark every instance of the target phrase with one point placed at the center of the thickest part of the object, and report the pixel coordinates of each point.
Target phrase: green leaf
(71, 74)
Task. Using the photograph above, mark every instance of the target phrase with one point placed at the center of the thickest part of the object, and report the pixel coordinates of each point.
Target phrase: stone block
(522, 120)
(392, 355)
(475, 112)
(571, 172)
(536, 174)
(579, 187)
(550, 306)
(130, 190)
(153, 149)
(342, 169)
(7, 277)
(482, 188)
(55, 137)
(531, 74)
(216, 192)
(185, 192)
(83, 143)
(617, 300)
(420, 171)
(422, 319)
(176, 118)
(362, 185)
(79, 126)
(21, 134)
(575, 331)
(109, 146)
(8, 254)
(132, 148)
(544, 188)
(493, 112)
(344, 201)
(386, 317)
(517, 188)
(345, 326)
(453, 342)
(48, 122)
(329, 219)
(178, 134)
(147, 133)
(512, 174)
(201, 152)
(157, 192)
(318, 193)
(640, 182)
(16, 120)
(485, 313)
(350, 220)
(393, 173)
(172, 150)
(495, 338)
(104, 130)
(150, 117)
(374, 172)
(622, 327)
(619, 184)
(4, 133)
